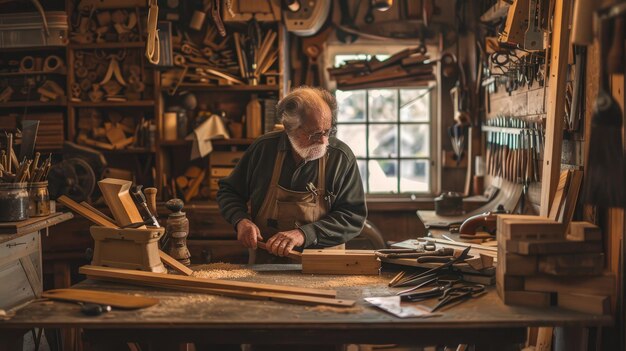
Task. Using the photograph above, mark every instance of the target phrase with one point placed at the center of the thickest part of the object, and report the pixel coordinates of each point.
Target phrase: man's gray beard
(309, 153)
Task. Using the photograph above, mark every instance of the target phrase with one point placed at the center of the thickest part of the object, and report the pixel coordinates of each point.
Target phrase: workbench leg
(571, 339)
(12, 339)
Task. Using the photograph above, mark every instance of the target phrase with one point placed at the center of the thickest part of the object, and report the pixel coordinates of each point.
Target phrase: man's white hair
(302, 102)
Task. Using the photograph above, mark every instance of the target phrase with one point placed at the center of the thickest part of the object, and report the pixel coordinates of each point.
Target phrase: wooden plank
(543, 247)
(585, 303)
(571, 197)
(600, 285)
(174, 264)
(559, 195)
(116, 194)
(14, 227)
(96, 211)
(255, 295)
(139, 276)
(124, 301)
(295, 255)
(528, 230)
(85, 212)
(572, 265)
(559, 50)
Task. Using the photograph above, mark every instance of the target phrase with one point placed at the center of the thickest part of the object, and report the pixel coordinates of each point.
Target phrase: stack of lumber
(50, 131)
(405, 68)
(542, 262)
(222, 164)
(240, 289)
(190, 183)
(113, 133)
(340, 262)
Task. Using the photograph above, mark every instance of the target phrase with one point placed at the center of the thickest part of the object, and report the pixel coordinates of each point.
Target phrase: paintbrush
(604, 177)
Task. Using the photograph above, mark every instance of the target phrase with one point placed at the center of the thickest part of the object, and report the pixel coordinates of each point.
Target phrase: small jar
(13, 202)
(38, 199)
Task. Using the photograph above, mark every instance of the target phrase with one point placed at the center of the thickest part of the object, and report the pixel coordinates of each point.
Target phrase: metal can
(13, 202)
(38, 199)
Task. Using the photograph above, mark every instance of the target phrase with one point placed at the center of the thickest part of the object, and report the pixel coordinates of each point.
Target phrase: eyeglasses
(326, 133)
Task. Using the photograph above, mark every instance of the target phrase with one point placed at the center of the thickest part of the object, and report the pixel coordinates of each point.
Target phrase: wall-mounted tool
(347, 21)
(305, 18)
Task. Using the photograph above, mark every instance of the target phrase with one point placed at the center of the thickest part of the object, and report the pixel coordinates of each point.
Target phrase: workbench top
(184, 310)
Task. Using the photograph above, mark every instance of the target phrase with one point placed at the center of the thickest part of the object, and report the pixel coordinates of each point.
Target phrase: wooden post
(559, 49)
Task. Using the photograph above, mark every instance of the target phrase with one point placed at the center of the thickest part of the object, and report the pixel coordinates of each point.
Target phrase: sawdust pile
(222, 270)
(345, 310)
(186, 299)
(357, 280)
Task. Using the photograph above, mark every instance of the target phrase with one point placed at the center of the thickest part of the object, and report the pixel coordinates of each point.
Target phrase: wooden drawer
(20, 270)
(211, 251)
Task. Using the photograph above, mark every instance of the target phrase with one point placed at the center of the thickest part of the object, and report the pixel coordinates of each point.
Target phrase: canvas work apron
(285, 209)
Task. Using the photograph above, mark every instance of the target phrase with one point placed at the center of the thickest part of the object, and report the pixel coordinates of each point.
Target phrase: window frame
(434, 169)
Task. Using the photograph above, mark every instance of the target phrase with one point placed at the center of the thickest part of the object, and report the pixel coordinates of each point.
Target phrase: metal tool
(92, 309)
(29, 137)
(459, 293)
(140, 200)
(402, 278)
(413, 253)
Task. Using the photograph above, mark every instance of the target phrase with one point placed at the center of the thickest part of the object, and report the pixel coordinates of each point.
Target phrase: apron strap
(277, 167)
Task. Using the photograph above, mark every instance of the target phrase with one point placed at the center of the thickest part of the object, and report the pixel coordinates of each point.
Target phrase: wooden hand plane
(487, 221)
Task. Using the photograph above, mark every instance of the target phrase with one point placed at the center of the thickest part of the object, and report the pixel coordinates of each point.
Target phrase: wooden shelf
(136, 103)
(206, 87)
(33, 73)
(239, 141)
(32, 104)
(127, 45)
(127, 151)
(33, 48)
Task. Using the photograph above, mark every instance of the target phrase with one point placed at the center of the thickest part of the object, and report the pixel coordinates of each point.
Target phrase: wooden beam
(124, 301)
(131, 276)
(85, 212)
(174, 264)
(559, 50)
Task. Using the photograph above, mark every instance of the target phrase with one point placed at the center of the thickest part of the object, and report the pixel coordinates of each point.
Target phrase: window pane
(415, 140)
(414, 105)
(383, 140)
(363, 170)
(351, 105)
(383, 176)
(354, 136)
(415, 176)
(383, 104)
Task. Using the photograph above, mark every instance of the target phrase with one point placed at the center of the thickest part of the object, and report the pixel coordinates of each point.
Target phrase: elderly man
(303, 184)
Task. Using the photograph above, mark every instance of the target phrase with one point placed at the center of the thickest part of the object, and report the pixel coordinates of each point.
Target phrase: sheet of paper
(212, 128)
(393, 305)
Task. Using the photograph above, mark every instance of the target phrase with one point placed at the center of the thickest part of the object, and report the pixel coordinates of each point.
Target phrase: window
(390, 130)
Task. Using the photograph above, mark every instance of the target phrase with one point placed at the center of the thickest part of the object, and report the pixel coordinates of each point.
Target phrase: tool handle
(434, 259)
(615, 56)
(582, 25)
(151, 199)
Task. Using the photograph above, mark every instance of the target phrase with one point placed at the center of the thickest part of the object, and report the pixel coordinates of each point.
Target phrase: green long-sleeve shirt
(250, 180)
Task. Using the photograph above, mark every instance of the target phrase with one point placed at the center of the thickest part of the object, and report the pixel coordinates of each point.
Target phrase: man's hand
(283, 242)
(248, 233)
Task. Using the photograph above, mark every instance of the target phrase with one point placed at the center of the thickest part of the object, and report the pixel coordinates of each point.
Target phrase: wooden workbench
(184, 317)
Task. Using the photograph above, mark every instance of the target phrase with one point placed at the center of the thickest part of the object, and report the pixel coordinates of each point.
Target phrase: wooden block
(585, 303)
(514, 264)
(584, 231)
(85, 212)
(524, 298)
(527, 229)
(543, 247)
(225, 158)
(600, 286)
(573, 264)
(221, 171)
(559, 197)
(476, 263)
(340, 262)
(487, 261)
(117, 196)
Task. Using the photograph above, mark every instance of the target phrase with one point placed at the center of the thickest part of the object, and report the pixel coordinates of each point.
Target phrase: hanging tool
(153, 50)
(347, 21)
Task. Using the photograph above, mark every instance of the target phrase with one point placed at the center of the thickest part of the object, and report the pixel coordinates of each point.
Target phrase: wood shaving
(322, 308)
(222, 270)
(187, 299)
(357, 280)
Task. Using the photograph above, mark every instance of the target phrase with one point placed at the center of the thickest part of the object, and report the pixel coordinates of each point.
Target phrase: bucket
(13, 202)
(38, 199)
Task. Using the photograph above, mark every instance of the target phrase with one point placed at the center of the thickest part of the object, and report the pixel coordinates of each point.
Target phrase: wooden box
(340, 262)
(127, 248)
(20, 269)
